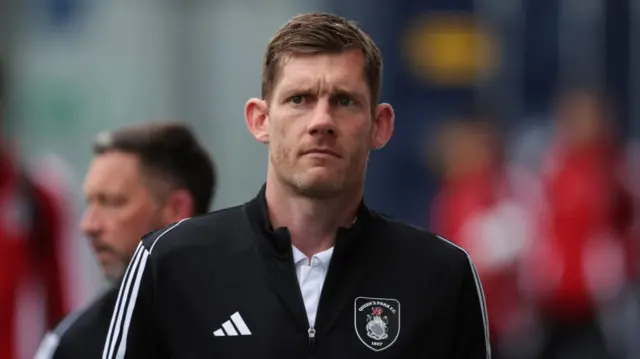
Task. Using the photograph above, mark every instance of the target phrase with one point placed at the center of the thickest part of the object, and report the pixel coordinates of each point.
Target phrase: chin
(113, 275)
(318, 187)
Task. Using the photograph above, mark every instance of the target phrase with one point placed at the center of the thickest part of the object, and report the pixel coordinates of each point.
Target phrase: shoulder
(93, 318)
(208, 230)
(419, 244)
(63, 327)
(79, 328)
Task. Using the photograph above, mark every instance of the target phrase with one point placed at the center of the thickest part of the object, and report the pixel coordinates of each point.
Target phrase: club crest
(377, 321)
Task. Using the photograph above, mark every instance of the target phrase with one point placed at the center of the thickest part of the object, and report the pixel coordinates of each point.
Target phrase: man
(252, 281)
(141, 179)
(478, 209)
(31, 241)
(586, 255)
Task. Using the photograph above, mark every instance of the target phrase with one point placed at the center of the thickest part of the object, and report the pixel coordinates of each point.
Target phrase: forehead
(328, 71)
(113, 171)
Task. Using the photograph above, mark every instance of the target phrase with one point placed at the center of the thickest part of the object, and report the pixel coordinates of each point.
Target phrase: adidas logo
(228, 328)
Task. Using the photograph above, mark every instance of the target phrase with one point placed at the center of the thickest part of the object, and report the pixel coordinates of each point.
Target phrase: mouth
(101, 250)
(103, 253)
(321, 152)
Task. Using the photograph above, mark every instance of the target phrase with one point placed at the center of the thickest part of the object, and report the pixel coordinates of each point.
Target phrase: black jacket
(223, 286)
(81, 334)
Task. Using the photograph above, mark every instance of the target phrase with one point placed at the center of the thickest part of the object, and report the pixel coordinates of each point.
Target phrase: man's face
(582, 119)
(120, 210)
(320, 124)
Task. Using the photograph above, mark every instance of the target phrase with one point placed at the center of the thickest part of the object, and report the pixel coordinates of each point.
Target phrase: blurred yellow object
(450, 49)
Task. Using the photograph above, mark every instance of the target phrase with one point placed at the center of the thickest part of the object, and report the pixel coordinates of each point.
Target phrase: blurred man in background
(31, 235)
(476, 209)
(584, 257)
(142, 178)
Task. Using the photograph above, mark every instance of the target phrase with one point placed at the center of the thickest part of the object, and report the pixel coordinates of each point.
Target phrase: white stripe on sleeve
(51, 340)
(126, 302)
(122, 303)
(118, 301)
(48, 346)
(132, 303)
(483, 305)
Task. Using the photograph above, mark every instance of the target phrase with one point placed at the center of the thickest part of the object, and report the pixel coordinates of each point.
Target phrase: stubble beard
(302, 183)
(316, 186)
(156, 223)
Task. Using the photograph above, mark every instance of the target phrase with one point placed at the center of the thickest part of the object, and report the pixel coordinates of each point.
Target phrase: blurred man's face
(582, 119)
(120, 210)
(466, 148)
(320, 126)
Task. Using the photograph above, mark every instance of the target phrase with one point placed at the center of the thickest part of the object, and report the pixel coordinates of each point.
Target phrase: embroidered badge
(377, 321)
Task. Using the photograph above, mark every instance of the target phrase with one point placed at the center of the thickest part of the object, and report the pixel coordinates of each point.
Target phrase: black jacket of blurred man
(142, 178)
(304, 270)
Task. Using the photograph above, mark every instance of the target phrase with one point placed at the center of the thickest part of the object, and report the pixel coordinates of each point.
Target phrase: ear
(257, 119)
(178, 205)
(382, 126)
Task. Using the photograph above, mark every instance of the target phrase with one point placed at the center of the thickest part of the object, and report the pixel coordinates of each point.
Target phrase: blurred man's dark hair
(167, 151)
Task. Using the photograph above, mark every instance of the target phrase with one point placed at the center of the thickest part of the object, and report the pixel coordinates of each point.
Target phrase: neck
(312, 223)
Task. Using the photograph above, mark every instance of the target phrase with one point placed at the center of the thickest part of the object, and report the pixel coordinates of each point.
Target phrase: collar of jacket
(278, 240)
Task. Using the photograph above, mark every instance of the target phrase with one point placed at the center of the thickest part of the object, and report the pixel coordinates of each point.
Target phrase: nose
(90, 223)
(322, 122)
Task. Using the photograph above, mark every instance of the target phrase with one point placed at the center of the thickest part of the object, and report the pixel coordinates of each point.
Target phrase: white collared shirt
(311, 275)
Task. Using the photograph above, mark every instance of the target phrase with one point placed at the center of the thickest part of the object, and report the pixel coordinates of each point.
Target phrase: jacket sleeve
(48, 347)
(471, 339)
(132, 332)
(50, 344)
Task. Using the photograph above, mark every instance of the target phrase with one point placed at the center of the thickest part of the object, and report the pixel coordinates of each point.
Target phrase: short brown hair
(317, 33)
(170, 151)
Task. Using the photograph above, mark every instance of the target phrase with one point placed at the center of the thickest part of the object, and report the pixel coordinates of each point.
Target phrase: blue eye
(345, 101)
(296, 100)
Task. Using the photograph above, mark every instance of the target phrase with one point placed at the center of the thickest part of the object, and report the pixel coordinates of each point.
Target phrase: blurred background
(516, 135)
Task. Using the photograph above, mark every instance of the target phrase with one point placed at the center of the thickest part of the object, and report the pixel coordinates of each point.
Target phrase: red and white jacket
(31, 260)
(585, 252)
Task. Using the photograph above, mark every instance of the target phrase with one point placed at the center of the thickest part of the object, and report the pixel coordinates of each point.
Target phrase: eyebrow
(335, 90)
